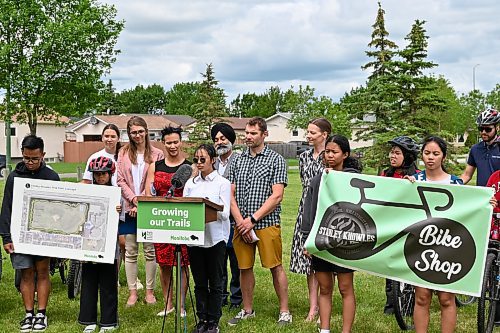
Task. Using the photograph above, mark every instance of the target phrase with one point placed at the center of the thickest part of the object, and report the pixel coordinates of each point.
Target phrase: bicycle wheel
(403, 298)
(486, 308)
(74, 278)
(463, 300)
(63, 268)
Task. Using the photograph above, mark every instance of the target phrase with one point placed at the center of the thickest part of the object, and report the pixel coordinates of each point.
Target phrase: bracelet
(253, 219)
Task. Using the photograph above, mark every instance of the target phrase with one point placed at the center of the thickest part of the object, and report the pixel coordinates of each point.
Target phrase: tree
(53, 54)
(210, 109)
(149, 100)
(181, 98)
(109, 101)
(384, 48)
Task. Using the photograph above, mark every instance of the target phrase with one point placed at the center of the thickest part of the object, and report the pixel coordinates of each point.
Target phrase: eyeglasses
(485, 129)
(200, 160)
(31, 159)
(139, 132)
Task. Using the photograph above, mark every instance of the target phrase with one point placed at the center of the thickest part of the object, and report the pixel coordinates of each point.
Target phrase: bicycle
(490, 291)
(74, 278)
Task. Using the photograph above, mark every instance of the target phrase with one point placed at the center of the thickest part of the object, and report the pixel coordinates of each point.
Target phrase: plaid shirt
(254, 178)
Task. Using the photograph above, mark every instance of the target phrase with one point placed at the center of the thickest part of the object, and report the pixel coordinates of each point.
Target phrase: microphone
(179, 179)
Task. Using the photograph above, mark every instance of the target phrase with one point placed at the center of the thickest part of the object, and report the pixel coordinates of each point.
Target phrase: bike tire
(463, 300)
(486, 308)
(63, 270)
(403, 298)
(74, 278)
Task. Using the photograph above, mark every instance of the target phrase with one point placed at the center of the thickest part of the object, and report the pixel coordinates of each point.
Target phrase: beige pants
(131, 253)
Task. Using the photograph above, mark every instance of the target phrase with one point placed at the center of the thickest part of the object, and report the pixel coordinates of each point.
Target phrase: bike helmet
(489, 116)
(406, 144)
(102, 164)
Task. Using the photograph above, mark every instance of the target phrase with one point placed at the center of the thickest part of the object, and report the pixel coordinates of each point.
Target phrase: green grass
(370, 298)
(67, 167)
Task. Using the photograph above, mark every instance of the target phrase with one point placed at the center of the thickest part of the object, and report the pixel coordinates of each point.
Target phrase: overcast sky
(256, 44)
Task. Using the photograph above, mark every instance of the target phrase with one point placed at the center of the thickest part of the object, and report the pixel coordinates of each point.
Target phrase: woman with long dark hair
(337, 157)
(133, 162)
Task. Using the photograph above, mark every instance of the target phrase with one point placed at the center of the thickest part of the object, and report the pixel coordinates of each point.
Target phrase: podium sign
(170, 221)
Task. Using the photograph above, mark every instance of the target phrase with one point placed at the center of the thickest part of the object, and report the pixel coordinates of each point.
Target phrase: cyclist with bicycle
(484, 156)
(402, 158)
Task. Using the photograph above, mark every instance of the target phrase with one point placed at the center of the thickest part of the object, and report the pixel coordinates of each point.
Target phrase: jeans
(99, 278)
(207, 267)
(234, 283)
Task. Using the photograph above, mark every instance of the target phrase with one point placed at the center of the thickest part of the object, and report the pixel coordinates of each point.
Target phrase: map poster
(65, 220)
(171, 222)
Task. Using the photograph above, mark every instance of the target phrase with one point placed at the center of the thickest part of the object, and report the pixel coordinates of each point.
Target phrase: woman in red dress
(158, 182)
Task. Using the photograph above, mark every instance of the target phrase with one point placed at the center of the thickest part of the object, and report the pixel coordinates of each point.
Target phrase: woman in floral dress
(310, 164)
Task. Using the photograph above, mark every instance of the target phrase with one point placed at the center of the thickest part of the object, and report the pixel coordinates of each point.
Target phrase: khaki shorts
(269, 246)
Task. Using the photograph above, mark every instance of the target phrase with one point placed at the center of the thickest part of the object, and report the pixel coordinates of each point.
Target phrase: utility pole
(474, 77)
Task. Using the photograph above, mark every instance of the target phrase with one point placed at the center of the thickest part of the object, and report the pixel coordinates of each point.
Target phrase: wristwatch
(253, 219)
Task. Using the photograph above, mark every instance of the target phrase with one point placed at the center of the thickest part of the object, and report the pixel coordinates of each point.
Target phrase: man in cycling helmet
(484, 156)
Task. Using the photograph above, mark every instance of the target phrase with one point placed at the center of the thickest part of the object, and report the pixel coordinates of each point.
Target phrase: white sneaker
(139, 284)
(242, 315)
(89, 328)
(164, 312)
(40, 323)
(108, 329)
(285, 318)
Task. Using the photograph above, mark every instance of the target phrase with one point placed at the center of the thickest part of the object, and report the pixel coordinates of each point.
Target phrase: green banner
(428, 235)
(171, 222)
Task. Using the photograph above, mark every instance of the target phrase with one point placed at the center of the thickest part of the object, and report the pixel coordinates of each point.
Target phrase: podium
(174, 220)
(179, 221)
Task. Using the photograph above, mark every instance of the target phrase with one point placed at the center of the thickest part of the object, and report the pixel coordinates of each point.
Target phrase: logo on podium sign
(171, 222)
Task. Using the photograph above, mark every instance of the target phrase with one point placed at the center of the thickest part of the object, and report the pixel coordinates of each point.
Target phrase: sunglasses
(200, 160)
(485, 129)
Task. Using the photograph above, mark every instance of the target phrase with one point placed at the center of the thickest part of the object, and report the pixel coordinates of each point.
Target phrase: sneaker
(242, 315)
(89, 328)
(108, 329)
(164, 312)
(285, 318)
(201, 327)
(26, 325)
(212, 328)
(40, 323)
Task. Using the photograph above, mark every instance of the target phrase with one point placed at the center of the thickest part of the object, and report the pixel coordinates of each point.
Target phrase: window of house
(13, 131)
(295, 133)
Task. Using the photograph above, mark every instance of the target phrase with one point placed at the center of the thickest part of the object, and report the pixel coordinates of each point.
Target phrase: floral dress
(165, 253)
(308, 167)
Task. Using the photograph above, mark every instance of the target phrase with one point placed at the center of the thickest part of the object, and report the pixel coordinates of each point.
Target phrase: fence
(286, 150)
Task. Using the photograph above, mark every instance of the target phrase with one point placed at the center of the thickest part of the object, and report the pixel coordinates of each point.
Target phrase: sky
(256, 44)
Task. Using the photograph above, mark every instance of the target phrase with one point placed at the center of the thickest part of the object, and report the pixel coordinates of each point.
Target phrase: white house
(278, 132)
(52, 133)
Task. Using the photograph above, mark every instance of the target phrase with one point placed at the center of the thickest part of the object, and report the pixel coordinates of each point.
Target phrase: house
(238, 124)
(90, 128)
(51, 131)
(278, 132)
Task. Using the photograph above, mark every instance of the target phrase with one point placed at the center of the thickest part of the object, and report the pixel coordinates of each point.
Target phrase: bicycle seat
(360, 183)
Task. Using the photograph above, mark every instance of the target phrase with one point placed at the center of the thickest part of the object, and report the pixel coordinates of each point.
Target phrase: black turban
(225, 129)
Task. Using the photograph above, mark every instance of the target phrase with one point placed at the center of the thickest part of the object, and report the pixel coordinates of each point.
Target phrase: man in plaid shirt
(258, 179)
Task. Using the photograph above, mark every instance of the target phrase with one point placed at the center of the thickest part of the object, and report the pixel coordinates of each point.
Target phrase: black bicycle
(74, 278)
(490, 291)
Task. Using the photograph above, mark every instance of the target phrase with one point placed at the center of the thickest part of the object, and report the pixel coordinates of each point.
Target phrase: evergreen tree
(211, 107)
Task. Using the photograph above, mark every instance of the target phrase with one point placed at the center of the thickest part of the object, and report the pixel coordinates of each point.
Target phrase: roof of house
(286, 115)
(155, 122)
(48, 119)
(180, 119)
(235, 122)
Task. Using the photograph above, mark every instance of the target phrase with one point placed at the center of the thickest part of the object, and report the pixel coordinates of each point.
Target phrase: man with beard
(258, 179)
(223, 136)
(485, 156)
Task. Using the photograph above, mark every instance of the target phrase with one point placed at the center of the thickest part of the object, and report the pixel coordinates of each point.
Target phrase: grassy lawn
(67, 167)
(370, 297)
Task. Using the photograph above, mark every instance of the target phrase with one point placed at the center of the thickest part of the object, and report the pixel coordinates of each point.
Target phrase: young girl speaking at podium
(207, 260)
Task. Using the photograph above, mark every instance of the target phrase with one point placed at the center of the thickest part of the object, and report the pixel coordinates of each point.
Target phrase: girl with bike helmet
(402, 158)
(337, 157)
(99, 277)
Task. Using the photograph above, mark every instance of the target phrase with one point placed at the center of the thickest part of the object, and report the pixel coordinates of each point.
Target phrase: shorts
(320, 265)
(269, 245)
(23, 261)
(128, 227)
